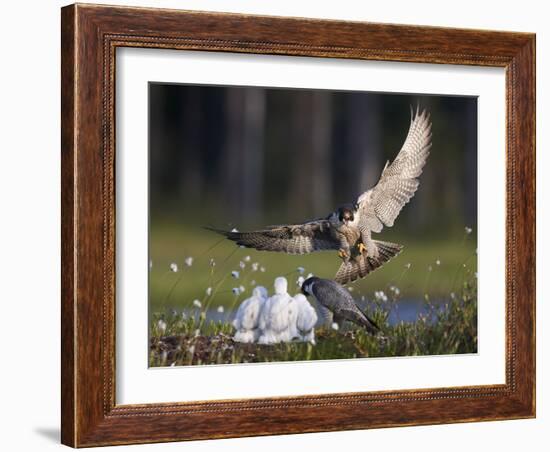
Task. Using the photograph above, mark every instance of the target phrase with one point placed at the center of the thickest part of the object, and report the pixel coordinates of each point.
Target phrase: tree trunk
(321, 183)
(364, 143)
(229, 170)
(190, 177)
(252, 153)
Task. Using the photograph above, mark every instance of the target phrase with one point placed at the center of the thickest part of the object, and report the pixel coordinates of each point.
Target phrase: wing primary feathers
(380, 206)
(292, 239)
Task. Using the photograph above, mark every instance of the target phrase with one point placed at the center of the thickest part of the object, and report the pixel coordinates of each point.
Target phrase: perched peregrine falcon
(349, 228)
(336, 304)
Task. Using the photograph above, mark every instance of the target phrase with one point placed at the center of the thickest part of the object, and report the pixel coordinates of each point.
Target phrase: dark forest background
(248, 157)
(243, 156)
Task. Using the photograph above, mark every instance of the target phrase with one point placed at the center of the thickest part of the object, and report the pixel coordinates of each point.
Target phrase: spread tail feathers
(362, 265)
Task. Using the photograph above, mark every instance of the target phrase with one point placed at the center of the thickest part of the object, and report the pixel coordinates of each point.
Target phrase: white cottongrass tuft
(161, 325)
(235, 274)
(234, 230)
(242, 265)
(395, 290)
(212, 262)
(174, 267)
(188, 261)
(262, 269)
(208, 291)
(335, 326)
(247, 259)
(220, 309)
(197, 303)
(437, 262)
(379, 295)
(468, 230)
(408, 265)
(255, 266)
(301, 270)
(242, 289)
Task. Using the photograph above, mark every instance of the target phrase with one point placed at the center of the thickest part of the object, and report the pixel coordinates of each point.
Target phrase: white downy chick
(247, 318)
(305, 320)
(274, 319)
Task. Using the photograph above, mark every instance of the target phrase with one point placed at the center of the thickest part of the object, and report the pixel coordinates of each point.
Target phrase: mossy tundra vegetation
(193, 301)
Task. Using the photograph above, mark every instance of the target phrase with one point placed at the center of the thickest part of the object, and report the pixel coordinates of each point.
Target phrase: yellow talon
(362, 248)
(342, 254)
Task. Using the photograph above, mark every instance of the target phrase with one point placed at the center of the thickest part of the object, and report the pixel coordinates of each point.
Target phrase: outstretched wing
(292, 239)
(380, 205)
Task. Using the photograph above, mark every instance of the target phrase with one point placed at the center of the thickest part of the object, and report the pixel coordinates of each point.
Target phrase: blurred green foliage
(173, 243)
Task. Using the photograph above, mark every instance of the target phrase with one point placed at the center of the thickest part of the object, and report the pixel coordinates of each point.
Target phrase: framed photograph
(281, 225)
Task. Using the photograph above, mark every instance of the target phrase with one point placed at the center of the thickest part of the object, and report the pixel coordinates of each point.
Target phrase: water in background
(402, 311)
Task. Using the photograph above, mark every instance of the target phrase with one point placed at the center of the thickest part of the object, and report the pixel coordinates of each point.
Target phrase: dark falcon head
(307, 285)
(345, 213)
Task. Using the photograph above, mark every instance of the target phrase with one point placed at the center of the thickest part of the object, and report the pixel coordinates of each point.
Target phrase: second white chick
(274, 319)
(247, 318)
(306, 319)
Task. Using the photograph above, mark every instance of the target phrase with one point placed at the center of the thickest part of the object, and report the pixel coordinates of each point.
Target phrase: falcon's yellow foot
(362, 248)
(343, 254)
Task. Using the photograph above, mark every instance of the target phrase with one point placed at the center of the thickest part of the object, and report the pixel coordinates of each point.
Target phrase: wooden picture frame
(90, 36)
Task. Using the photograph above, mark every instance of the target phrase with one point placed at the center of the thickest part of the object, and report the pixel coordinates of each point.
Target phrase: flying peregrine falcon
(336, 304)
(349, 228)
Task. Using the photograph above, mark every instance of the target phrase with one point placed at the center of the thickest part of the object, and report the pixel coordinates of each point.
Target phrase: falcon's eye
(346, 215)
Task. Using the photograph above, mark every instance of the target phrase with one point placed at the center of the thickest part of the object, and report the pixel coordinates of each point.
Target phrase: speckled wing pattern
(339, 301)
(379, 206)
(292, 239)
(361, 266)
(325, 316)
